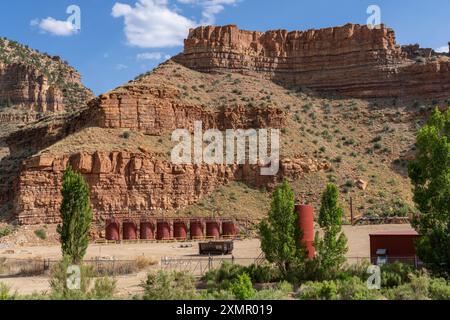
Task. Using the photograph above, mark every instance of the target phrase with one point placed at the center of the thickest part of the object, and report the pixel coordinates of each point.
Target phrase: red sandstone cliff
(352, 60)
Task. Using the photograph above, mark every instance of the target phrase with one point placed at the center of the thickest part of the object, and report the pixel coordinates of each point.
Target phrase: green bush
(41, 234)
(325, 290)
(395, 274)
(103, 288)
(223, 277)
(355, 289)
(4, 292)
(169, 286)
(242, 287)
(5, 231)
(280, 292)
(439, 289)
(416, 289)
(263, 273)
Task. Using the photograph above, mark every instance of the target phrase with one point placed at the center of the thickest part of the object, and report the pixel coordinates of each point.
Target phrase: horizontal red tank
(229, 229)
(196, 229)
(212, 229)
(147, 230)
(129, 230)
(306, 225)
(179, 230)
(163, 230)
(112, 232)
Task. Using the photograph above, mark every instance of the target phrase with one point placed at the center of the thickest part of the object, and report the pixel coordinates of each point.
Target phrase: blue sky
(121, 39)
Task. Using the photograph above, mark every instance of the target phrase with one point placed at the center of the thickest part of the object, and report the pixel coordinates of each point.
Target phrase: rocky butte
(352, 60)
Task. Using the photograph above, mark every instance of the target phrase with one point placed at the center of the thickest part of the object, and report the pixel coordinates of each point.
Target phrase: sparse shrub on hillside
(5, 293)
(41, 234)
(6, 231)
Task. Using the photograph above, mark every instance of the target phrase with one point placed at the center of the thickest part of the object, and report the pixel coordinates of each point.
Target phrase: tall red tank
(179, 230)
(129, 230)
(196, 229)
(212, 229)
(112, 232)
(147, 230)
(306, 224)
(229, 229)
(163, 230)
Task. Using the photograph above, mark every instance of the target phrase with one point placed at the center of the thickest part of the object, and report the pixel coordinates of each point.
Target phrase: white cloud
(153, 24)
(121, 67)
(443, 49)
(210, 8)
(55, 27)
(149, 56)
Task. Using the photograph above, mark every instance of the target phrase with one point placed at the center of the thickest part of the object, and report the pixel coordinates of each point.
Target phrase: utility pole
(351, 210)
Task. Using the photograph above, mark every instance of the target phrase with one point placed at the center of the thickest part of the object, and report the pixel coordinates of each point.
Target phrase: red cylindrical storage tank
(306, 225)
(229, 229)
(163, 230)
(129, 230)
(179, 230)
(147, 230)
(212, 229)
(196, 229)
(112, 232)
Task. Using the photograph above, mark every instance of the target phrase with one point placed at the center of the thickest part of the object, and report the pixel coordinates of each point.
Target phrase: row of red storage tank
(171, 230)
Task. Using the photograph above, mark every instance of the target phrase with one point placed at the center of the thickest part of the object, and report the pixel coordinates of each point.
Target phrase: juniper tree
(332, 247)
(430, 176)
(76, 216)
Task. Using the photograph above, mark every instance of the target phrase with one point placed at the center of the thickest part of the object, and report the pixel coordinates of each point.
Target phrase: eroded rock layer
(157, 110)
(126, 185)
(352, 60)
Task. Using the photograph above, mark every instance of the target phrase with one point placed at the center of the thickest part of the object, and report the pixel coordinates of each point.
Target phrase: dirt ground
(358, 243)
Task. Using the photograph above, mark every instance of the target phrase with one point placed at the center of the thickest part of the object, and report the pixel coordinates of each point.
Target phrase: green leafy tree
(279, 232)
(430, 176)
(331, 249)
(76, 215)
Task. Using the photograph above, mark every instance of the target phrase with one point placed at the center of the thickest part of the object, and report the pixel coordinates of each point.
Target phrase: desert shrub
(6, 231)
(263, 273)
(217, 295)
(280, 292)
(242, 287)
(355, 289)
(395, 274)
(325, 290)
(439, 289)
(223, 277)
(416, 289)
(103, 288)
(41, 234)
(169, 286)
(126, 135)
(5, 293)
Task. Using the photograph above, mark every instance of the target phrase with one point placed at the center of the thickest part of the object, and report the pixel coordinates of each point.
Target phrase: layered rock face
(26, 87)
(126, 185)
(156, 111)
(352, 60)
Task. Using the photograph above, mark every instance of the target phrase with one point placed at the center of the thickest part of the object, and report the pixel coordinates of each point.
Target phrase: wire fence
(199, 266)
(10, 267)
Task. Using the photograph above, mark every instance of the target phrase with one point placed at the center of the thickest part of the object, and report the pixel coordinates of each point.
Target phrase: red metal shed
(389, 246)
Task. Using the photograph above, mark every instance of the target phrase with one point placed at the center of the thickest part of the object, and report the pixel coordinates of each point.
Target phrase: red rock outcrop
(352, 60)
(125, 185)
(156, 111)
(26, 87)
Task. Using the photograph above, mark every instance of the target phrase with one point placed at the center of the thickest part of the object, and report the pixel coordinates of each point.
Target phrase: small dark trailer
(215, 247)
